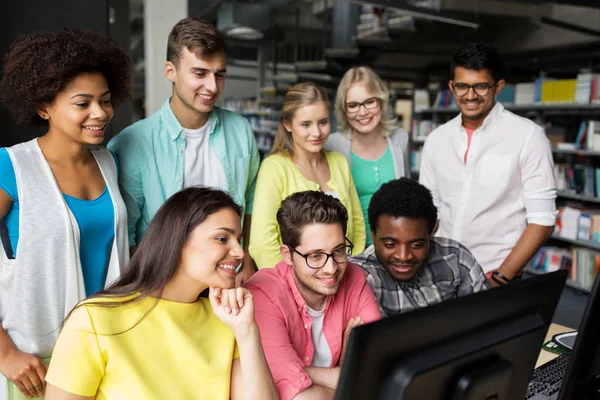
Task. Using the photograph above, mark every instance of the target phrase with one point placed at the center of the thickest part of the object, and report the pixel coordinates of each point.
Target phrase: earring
(44, 116)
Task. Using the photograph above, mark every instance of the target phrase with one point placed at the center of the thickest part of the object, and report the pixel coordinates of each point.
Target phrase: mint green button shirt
(368, 177)
(151, 158)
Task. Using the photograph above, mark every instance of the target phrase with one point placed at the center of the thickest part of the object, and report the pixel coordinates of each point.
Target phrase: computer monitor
(479, 347)
(582, 377)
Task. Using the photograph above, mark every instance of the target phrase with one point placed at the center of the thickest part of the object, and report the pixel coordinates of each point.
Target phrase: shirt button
(181, 150)
(305, 326)
(307, 359)
(178, 179)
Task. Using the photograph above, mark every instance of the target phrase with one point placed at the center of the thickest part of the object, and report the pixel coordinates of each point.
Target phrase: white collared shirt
(506, 183)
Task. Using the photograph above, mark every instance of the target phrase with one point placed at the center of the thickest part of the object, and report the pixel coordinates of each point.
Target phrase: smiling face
(198, 83)
(401, 245)
(82, 110)
(475, 107)
(316, 284)
(362, 120)
(309, 127)
(212, 252)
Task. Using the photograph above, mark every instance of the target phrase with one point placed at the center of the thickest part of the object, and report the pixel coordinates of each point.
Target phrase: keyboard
(546, 380)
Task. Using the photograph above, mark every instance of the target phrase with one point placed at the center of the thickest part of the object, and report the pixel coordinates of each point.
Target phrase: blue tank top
(95, 218)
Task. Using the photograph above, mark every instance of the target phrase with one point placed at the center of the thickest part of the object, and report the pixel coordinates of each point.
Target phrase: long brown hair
(157, 258)
(299, 95)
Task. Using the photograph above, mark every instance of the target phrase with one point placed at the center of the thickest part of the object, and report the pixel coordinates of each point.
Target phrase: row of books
(577, 179)
(422, 128)
(415, 159)
(588, 135)
(581, 263)
(578, 223)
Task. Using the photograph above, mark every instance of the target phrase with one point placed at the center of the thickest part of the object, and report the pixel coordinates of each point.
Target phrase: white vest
(44, 282)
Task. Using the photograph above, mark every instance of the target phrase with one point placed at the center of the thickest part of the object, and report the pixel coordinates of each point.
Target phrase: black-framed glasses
(318, 259)
(481, 89)
(369, 104)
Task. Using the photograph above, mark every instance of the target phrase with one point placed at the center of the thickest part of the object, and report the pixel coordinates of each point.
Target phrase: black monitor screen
(482, 346)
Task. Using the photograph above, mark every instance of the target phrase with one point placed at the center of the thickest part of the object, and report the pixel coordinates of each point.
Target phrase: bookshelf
(567, 108)
(581, 197)
(582, 243)
(568, 283)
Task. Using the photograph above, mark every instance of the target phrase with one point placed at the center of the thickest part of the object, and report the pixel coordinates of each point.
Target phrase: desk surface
(546, 355)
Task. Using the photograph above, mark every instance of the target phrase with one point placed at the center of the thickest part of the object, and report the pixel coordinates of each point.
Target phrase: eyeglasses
(370, 104)
(482, 89)
(318, 259)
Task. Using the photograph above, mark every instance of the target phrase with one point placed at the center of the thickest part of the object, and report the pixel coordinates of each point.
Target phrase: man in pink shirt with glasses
(306, 306)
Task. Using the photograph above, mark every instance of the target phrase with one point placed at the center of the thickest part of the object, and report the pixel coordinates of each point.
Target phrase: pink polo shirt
(285, 326)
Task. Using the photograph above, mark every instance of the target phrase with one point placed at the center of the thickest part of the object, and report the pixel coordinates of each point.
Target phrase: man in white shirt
(490, 171)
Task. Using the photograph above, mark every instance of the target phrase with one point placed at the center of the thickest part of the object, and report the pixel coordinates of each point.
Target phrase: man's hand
(26, 371)
(246, 271)
(354, 322)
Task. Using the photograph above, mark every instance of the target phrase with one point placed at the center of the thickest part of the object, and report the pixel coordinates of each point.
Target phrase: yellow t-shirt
(177, 351)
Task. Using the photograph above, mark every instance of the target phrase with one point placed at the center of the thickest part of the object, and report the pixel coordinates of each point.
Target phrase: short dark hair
(40, 65)
(479, 56)
(402, 198)
(196, 35)
(308, 208)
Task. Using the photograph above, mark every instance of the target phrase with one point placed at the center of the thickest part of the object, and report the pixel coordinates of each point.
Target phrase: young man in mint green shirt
(188, 141)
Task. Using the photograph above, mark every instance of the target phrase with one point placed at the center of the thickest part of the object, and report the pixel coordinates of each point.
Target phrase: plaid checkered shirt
(451, 271)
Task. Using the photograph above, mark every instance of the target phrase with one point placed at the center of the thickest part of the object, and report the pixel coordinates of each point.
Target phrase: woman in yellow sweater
(154, 334)
(297, 163)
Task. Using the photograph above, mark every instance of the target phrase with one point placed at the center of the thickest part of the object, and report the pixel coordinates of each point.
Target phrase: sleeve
(130, 182)
(252, 172)
(264, 231)
(286, 366)
(8, 179)
(427, 173)
(537, 178)
(367, 307)
(77, 365)
(359, 234)
(473, 278)
(404, 151)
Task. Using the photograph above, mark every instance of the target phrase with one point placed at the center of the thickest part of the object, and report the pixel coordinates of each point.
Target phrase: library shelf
(588, 153)
(568, 195)
(569, 282)
(583, 243)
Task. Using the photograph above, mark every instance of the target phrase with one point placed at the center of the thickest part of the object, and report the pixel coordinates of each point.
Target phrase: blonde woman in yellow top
(297, 163)
(173, 326)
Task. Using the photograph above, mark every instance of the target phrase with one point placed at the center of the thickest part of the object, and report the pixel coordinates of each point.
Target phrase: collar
(489, 120)
(286, 270)
(172, 125)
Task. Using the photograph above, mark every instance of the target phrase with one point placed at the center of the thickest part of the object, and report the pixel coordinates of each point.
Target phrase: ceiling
(533, 35)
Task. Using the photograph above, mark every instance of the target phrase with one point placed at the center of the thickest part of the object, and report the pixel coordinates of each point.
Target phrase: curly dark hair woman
(59, 197)
(38, 65)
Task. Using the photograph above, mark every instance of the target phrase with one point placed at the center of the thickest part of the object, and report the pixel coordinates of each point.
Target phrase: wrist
(500, 277)
(246, 333)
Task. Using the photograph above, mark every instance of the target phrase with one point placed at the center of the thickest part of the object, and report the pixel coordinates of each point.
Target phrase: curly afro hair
(39, 65)
(403, 198)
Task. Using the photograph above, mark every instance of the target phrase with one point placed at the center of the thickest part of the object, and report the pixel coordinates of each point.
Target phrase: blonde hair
(375, 85)
(299, 95)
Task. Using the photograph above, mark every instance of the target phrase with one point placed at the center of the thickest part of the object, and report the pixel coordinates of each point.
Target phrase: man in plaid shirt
(406, 266)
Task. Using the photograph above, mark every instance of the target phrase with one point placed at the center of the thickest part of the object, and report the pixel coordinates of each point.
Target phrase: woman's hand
(26, 371)
(235, 308)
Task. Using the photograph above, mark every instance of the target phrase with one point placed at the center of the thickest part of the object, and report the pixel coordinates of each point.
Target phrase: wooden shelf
(568, 195)
(583, 243)
(569, 283)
